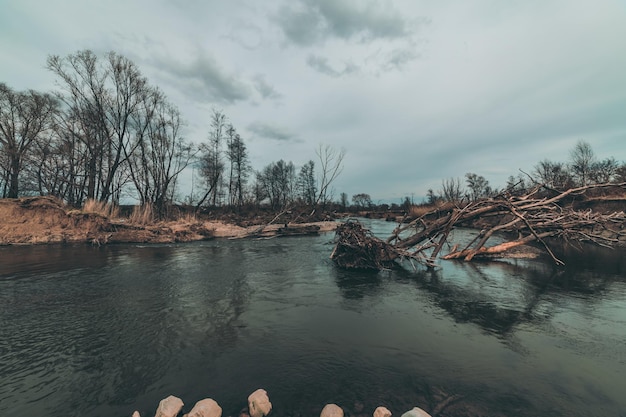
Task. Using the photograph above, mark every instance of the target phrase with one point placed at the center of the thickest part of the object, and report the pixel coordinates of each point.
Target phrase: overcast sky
(414, 91)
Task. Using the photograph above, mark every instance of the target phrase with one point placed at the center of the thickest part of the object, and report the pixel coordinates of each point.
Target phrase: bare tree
(24, 119)
(604, 171)
(552, 174)
(452, 190)
(331, 164)
(306, 184)
(582, 161)
(478, 186)
(277, 182)
(237, 155)
(103, 96)
(362, 200)
(343, 200)
(161, 153)
(211, 162)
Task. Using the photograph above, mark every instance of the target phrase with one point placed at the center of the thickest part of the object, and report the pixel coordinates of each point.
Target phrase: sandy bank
(40, 220)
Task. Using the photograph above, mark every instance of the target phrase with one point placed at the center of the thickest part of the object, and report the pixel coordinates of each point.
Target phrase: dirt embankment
(39, 220)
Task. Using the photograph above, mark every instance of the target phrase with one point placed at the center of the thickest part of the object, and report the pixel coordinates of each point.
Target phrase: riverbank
(43, 220)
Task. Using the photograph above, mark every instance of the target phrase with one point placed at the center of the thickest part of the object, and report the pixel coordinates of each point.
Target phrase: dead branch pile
(357, 248)
(526, 218)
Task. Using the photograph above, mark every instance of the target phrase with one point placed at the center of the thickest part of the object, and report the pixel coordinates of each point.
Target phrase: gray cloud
(204, 78)
(400, 57)
(320, 64)
(312, 22)
(269, 131)
(303, 27)
(266, 90)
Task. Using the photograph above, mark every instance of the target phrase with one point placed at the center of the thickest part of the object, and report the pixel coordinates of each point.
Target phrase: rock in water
(259, 404)
(169, 407)
(136, 414)
(416, 412)
(382, 412)
(331, 410)
(205, 408)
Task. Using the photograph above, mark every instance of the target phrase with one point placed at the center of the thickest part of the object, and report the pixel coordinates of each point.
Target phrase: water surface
(102, 331)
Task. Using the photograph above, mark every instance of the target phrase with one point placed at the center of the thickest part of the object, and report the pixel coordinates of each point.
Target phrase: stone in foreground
(416, 412)
(205, 408)
(169, 407)
(259, 404)
(382, 412)
(331, 410)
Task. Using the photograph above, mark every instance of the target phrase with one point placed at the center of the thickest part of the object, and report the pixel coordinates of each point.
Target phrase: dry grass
(142, 215)
(187, 218)
(108, 210)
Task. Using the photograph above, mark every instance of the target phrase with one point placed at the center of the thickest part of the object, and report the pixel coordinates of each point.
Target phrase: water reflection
(130, 325)
(357, 284)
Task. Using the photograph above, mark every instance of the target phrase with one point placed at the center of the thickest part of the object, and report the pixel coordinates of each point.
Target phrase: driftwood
(357, 248)
(528, 218)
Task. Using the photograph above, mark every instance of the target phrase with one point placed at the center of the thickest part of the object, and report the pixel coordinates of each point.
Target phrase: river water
(104, 331)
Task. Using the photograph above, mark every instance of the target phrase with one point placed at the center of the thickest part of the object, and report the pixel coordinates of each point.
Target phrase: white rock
(331, 410)
(205, 408)
(136, 414)
(169, 407)
(259, 404)
(416, 412)
(382, 412)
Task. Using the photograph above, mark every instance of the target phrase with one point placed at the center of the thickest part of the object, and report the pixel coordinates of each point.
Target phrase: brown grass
(142, 215)
(108, 210)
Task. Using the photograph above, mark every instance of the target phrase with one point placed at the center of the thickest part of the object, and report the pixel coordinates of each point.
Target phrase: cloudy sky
(414, 91)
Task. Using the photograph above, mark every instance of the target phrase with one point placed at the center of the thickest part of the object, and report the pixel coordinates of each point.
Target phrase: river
(104, 331)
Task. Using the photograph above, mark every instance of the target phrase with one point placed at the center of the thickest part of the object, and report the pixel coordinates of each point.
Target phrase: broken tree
(523, 219)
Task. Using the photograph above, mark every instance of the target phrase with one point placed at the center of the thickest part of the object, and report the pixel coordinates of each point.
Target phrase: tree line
(108, 134)
(582, 169)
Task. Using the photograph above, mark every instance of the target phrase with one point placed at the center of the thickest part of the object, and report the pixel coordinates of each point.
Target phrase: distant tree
(343, 200)
(582, 160)
(331, 165)
(277, 182)
(237, 155)
(620, 173)
(406, 203)
(211, 161)
(604, 171)
(516, 185)
(362, 200)
(306, 183)
(553, 174)
(451, 190)
(26, 118)
(478, 186)
(432, 197)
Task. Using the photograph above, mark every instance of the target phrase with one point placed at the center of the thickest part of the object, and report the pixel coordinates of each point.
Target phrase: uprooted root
(357, 248)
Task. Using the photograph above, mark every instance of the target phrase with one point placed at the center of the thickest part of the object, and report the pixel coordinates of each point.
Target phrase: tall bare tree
(25, 118)
(239, 165)
(331, 165)
(306, 184)
(211, 161)
(103, 95)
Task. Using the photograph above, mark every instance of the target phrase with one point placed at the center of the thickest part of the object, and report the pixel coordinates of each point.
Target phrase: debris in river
(523, 218)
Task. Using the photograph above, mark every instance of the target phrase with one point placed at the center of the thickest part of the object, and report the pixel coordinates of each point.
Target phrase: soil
(40, 220)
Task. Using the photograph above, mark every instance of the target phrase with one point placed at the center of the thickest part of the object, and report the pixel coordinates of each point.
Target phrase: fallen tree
(522, 218)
